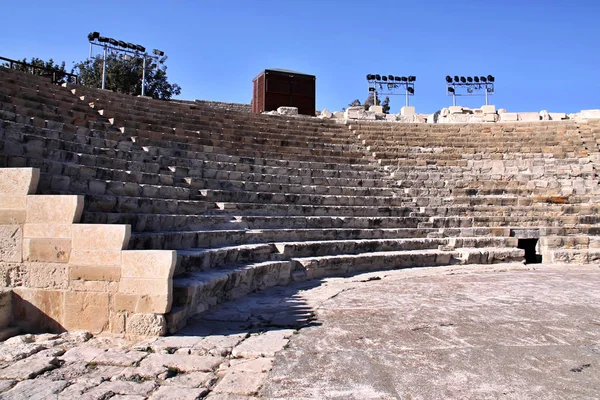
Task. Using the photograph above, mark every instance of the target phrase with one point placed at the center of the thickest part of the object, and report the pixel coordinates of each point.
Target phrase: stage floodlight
(377, 77)
(102, 39)
(112, 41)
(390, 86)
(476, 79)
(371, 89)
(122, 44)
(469, 79)
(391, 77)
(463, 79)
(490, 78)
(490, 90)
(410, 90)
(470, 90)
(93, 36)
(483, 79)
(397, 79)
(456, 79)
(448, 79)
(159, 53)
(404, 79)
(140, 48)
(384, 78)
(450, 90)
(412, 78)
(369, 77)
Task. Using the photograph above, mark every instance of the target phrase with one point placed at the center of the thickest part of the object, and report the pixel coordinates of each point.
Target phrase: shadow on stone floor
(276, 308)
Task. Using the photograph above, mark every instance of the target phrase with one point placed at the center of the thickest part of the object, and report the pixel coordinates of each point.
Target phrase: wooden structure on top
(275, 88)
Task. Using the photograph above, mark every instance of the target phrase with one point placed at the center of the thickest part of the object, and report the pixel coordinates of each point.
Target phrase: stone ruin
(130, 216)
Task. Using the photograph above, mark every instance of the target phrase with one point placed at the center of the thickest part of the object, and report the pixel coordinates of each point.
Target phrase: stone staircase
(215, 204)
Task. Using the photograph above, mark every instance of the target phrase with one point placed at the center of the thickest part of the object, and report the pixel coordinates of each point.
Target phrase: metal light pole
(104, 70)
(143, 74)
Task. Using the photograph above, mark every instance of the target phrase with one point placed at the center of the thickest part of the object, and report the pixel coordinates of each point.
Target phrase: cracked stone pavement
(477, 332)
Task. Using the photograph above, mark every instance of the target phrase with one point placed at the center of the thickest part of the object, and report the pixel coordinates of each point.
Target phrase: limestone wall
(68, 276)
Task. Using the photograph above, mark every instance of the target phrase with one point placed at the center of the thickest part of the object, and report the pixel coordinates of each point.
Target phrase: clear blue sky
(545, 54)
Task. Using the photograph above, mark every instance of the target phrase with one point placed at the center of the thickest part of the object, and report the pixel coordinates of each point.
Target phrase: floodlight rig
(472, 84)
(128, 49)
(393, 84)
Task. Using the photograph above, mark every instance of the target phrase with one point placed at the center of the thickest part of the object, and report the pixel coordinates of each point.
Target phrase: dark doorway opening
(531, 256)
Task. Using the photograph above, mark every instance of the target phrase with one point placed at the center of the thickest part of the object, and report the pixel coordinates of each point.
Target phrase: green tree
(124, 75)
(370, 100)
(37, 66)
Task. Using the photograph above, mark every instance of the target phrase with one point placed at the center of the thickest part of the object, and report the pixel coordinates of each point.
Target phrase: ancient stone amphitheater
(129, 215)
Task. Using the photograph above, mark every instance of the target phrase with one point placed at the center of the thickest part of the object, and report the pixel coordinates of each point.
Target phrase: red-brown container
(275, 88)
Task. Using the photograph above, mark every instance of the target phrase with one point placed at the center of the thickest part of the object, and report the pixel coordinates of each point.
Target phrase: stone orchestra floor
(508, 331)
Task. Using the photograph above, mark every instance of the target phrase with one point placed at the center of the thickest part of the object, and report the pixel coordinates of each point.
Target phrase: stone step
(176, 222)
(198, 291)
(269, 199)
(320, 267)
(180, 240)
(310, 210)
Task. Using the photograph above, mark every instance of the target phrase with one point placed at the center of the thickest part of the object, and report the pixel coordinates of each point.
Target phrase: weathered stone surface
(60, 209)
(37, 389)
(119, 387)
(47, 250)
(376, 109)
(11, 243)
(6, 385)
(82, 353)
(255, 365)
(263, 345)
(183, 363)
(408, 111)
(37, 309)
(529, 116)
(326, 114)
(242, 383)
(19, 181)
(43, 275)
(29, 368)
(100, 237)
(86, 310)
(146, 325)
(191, 380)
(118, 357)
(287, 110)
(177, 393)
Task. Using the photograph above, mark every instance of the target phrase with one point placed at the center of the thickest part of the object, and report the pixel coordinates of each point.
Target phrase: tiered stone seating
(541, 176)
(249, 201)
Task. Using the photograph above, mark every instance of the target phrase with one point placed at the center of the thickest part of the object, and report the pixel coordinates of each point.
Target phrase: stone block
(146, 325)
(144, 304)
(509, 117)
(11, 243)
(12, 217)
(376, 109)
(589, 114)
(44, 275)
(353, 112)
(557, 116)
(490, 117)
(455, 110)
(86, 310)
(61, 209)
(338, 115)
(95, 273)
(408, 111)
(13, 202)
(145, 287)
(326, 114)
(151, 264)
(97, 258)
(37, 310)
(19, 181)
(544, 115)
(488, 109)
(47, 250)
(287, 110)
(107, 237)
(56, 231)
(529, 116)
